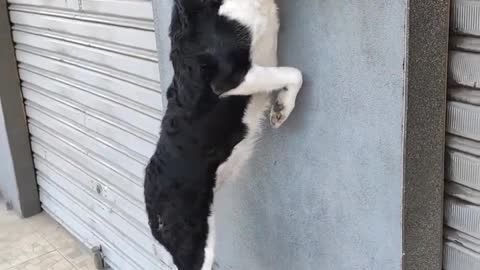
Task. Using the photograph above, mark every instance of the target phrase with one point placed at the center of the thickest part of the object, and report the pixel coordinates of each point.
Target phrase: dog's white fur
(261, 17)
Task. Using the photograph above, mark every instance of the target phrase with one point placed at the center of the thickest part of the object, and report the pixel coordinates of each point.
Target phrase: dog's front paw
(277, 116)
(283, 106)
(285, 102)
(280, 111)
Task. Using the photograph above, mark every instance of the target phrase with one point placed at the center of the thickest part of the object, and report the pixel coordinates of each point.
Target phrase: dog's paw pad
(277, 116)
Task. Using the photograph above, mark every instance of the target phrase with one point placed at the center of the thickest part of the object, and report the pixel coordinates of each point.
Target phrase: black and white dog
(224, 55)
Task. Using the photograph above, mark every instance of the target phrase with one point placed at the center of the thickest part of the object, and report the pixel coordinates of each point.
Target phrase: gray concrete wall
(16, 173)
(327, 190)
(8, 188)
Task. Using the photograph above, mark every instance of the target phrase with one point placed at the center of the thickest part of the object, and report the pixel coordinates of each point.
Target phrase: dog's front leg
(268, 79)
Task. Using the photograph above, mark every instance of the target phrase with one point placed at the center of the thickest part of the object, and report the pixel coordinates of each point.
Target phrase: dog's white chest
(261, 17)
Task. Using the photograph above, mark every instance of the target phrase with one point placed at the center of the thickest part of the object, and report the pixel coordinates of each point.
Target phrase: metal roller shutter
(92, 95)
(462, 201)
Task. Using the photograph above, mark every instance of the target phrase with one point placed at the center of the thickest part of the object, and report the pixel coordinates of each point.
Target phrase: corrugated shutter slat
(91, 86)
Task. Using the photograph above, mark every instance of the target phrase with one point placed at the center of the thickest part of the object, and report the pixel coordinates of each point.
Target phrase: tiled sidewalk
(39, 243)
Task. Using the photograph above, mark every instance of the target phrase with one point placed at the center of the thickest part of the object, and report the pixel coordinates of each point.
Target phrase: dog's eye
(205, 60)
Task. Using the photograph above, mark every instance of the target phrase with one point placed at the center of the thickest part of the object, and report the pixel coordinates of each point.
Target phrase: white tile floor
(39, 243)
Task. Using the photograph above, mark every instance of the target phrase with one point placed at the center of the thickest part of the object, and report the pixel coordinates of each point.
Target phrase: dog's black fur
(210, 55)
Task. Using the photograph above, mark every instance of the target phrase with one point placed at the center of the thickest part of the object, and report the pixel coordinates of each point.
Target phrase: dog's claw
(277, 117)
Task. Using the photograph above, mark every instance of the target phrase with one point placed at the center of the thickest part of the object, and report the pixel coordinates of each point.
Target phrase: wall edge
(424, 146)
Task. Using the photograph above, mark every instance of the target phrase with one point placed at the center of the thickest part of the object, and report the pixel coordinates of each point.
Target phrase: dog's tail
(183, 9)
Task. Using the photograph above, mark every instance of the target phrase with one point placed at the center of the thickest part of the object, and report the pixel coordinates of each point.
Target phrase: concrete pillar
(17, 175)
(354, 180)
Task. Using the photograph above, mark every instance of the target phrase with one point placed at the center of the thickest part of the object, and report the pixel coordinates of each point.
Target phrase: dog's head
(225, 71)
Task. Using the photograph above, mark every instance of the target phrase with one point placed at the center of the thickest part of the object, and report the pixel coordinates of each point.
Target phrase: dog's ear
(223, 73)
(216, 72)
(232, 69)
(222, 79)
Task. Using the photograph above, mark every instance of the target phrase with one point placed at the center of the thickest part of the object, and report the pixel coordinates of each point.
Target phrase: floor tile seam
(31, 259)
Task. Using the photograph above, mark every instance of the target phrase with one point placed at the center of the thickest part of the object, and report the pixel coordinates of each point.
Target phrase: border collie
(224, 56)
